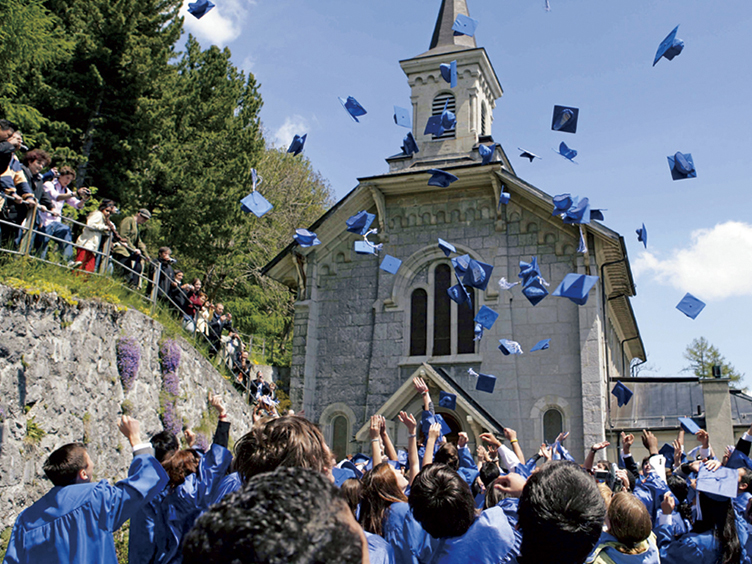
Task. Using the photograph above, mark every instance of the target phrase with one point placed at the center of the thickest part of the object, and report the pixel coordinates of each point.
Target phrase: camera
(172, 260)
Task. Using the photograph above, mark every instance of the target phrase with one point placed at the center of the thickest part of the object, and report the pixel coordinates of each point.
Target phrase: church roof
(444, 40)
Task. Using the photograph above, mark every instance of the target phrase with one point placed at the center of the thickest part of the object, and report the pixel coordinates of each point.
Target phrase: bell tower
(472, 100)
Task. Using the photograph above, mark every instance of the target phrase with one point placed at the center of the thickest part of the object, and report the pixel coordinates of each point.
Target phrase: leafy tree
(702, 356)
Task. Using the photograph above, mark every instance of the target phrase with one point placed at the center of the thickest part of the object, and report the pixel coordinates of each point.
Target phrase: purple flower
(170, 353)
(128, 359)
(170, 418)
(202, 442)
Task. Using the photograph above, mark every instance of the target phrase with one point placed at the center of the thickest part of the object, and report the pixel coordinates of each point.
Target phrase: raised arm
(511, 436)
(375, 432)
(389, 449)
(433, 435)
(222, 433)
(590, 458)
(422, 388)
(412, 443)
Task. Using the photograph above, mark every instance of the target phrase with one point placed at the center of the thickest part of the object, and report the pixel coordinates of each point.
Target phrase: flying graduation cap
(579, 213)
(576, 287)
(565, 119)
(409, 145)
(486, 317)
(566, 152)
(541, 345)
(682, 166)
(200, 8)
(447, 400)
(254, 202)
(642, 236)
(689, 425)
(440, 178)
(527, 154)
(353, 108)
(447, 248)
(402, 117)
(504, 198)
(622, 393)
(449, 73)
(390, 264)
(486, 152)
(477, 274)
(360, 222)
(690, 306)
(508, 347)
(670, 47)
(464, 25)
(297, 144)
(306, 238)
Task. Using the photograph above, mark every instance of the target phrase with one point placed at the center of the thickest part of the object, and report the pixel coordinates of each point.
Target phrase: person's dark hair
(629, 520)
(447, 454)
(680, 489)
(380, 491)
(560, 507)
(285, 441)
(164, 443)
(351, 490)
(441, 501)
(291, 515)
(36, 155)
(644, 463)
(180, 465)
(163, 250)
(6, 125)
(745, 478)
(489, 472)
(104, 204)
(63, 465)
(720, 517)
(493, 497)
(66, 171)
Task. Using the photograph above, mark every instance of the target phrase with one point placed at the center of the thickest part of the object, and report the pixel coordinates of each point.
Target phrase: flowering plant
(128, 359)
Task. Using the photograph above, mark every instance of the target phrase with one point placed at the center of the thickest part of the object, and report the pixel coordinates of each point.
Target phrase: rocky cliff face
(60, 383)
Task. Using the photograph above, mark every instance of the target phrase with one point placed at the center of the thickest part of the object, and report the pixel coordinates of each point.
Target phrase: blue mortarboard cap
(447, 400)
(360, 222)
(566, 152)
(464, 25)
(448, 119)
(622, 393)
(541, 345)
(477, 275)
(200, 8)
(529, 270)
(306, 238)
(255, 203)
(565, 119)
(669, 47)
(504, 197)
(458, 294)
(562, 203)
(449, 73)
(394, 464)
(448, 248)
(365, 248)
(409, 145)
(390, 264)
(486, 153)
(351, 466)
(582, 247)
(402, 117)
(478, 331)
(642, 236)
(360, 457)
(341, 475)
(527, 154)
(668, 452)
(719, 485)
(579, 213)
(402, 457)
(434, 127)
(509, 347)
(690, 306)
(738, 460)
(597, 215)
(486, 383)
(440, 178)
(534, 291)
(353, 108)
(430, 420)
(297, 144)
(576, 287)
(461, 264)
(486, 317)
(682, 166)
(688, 425)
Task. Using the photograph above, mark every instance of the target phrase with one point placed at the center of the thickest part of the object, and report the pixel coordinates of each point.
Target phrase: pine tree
(702, 356)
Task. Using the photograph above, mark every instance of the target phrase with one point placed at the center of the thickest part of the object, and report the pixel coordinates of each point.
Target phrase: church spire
(444, 40)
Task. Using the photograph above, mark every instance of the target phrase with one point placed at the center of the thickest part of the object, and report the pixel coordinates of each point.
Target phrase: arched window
(437, 108)
(418, 322)
(553, 424)
(483, 119)
(339, 437)
(442, 312)
(466, 325)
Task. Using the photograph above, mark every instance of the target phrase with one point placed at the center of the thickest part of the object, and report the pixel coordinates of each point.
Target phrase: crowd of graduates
(281, 497)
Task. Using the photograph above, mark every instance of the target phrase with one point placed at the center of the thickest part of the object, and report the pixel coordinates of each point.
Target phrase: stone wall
(59, 383)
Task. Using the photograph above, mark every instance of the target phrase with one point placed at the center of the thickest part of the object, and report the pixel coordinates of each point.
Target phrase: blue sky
(591, 54)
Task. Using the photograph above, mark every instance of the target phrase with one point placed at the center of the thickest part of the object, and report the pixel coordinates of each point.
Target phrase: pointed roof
(444, 40)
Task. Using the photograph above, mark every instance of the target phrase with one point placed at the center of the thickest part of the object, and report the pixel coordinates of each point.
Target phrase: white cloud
(294, 125)
(222, 24)
(715, 265)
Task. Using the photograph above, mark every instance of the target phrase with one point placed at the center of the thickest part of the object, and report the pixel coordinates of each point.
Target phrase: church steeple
(444, 40)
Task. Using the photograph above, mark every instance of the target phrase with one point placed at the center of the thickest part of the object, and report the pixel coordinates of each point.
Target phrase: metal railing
(31, 240)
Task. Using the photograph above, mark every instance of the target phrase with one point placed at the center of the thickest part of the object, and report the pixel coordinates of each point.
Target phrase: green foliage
(702, 356)
(283, 398)
(121, 542)
(4, 539)
(34, 432)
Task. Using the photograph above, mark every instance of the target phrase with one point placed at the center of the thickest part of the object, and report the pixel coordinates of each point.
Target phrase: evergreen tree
(702, 356)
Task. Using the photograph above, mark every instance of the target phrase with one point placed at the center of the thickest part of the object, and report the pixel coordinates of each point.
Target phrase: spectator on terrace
(51, 224)
(91, 239)
(131, 249)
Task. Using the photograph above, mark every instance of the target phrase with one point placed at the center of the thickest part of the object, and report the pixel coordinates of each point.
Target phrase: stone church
(362, 334)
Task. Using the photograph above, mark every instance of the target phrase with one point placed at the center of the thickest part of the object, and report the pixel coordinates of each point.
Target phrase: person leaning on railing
(17, 191)
(51, 223)
(91, 239)
(131, 249)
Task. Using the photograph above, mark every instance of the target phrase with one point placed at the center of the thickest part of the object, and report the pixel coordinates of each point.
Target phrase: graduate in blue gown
(75, 520)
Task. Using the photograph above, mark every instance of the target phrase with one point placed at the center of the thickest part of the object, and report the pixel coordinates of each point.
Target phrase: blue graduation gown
(468, 470)
(489, 540)
(607, 550)
(229, 484)
(157, 532)
(75, 523)
(379, 551)
(650, 491)
(411, 544)
(696, 548)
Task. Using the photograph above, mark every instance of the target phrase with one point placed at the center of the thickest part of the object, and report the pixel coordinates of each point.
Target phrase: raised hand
(461, 440)
(490, 439)
(408, 421)
(420, 385)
